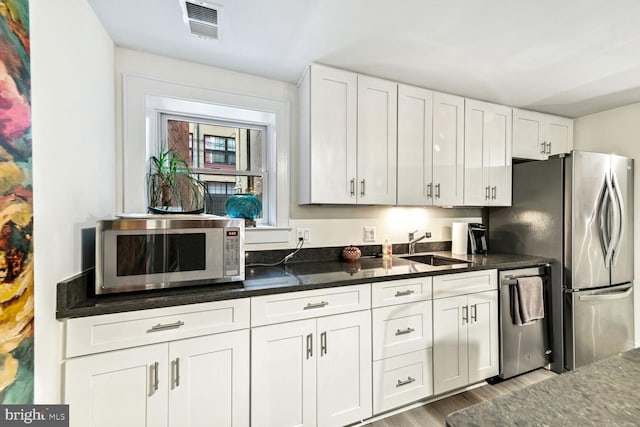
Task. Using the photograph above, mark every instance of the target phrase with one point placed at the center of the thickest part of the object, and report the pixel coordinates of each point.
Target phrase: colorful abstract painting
(16, 206)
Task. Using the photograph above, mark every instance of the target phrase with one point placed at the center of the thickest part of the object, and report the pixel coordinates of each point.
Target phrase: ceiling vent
(202, 18)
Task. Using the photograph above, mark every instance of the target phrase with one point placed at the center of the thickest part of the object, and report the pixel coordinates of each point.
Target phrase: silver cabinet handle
(309, 346)
(404, 293)
(548, 148)
(316, 305)
(163, 327)
(494, 191)
(465, 314)
(474, 312)
(353, 187)
(323, 343)
(409, 380)
(175, 368)
(404, 331)
(362, 187)
(430, 190)
(486, 193)
(543, 146)
(437, 190)
(154, 377)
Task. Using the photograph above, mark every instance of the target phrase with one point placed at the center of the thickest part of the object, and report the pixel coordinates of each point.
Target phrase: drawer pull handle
(404, 331)
(404, 293)
(409, 380)
(160, 327)
(316, 305)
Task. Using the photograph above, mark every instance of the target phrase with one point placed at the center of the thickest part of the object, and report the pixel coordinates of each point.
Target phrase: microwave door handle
(621, 219)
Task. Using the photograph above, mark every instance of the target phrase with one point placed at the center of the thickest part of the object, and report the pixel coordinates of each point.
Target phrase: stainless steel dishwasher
(523, 347)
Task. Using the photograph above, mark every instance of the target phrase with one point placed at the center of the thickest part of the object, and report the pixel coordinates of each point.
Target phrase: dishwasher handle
(607, 296)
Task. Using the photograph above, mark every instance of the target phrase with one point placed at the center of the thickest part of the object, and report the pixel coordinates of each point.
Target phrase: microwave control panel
(231, 251)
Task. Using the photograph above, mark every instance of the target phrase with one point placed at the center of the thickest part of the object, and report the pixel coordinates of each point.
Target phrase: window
(227, 157)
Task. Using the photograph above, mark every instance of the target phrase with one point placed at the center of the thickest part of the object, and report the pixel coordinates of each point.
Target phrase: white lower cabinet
(193, 382)
(312, 372)
(465, 336)
(402, 341)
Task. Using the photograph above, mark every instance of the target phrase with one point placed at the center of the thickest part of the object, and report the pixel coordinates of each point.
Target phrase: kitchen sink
(435, 260)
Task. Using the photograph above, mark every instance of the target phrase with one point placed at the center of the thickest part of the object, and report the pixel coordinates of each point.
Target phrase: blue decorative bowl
(246, 206)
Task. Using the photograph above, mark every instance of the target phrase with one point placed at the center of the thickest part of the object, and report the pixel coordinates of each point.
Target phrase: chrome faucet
(413, 240)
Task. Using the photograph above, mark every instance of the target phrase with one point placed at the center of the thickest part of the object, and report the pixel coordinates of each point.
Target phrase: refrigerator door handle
(621, 223)
(603, 220)
(607, 296)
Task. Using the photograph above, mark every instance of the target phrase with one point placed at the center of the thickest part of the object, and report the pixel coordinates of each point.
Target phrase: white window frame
(142, 96)
(268, 217)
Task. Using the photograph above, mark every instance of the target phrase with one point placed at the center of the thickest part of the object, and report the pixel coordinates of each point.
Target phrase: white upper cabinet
(448, 149)
(328, 136)
(415, 146)
(487, 164)
(348, 138)
(377, 141)
(537, 136)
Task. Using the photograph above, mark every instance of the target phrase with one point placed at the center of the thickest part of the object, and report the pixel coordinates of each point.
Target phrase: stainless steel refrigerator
(577, 210)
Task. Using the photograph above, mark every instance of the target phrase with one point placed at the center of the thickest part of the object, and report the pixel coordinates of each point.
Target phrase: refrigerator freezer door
(588, 174)
(602, 321)
(622, 179)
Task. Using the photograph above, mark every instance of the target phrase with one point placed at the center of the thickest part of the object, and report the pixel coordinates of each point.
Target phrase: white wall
(73, 158)
(617, 131)
(329, 225)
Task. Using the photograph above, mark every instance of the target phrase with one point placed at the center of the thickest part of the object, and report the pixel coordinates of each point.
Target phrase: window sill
(266, 234)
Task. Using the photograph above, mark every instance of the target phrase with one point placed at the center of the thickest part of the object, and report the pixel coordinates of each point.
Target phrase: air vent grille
(203, 30)
(202, 18)
(202, 14)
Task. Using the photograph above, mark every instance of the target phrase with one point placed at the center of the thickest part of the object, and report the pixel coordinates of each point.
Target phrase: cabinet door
(415, 146)
(448, 149)
(126, 388)
(483, 336)
(209, 381)
(528, 135)
(283, 374)
(344, 368)
(497, 155)
(477, 139)
(333, 138)
(377, 141)
(450, 362)
(559, 135)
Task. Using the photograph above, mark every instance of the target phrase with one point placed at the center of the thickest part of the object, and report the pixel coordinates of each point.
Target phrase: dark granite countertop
(604, 393)
(75, 298)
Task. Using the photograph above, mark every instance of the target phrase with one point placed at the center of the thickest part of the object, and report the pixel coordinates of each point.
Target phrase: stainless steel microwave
(161, 251)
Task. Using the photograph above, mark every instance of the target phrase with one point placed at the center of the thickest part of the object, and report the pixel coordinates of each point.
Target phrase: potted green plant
(171, 186)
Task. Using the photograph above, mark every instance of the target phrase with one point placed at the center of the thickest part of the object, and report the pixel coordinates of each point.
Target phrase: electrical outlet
(304, 234)
(369, 234)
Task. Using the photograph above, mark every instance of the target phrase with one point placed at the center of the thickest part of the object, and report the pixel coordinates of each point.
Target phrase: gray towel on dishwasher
(528, 300)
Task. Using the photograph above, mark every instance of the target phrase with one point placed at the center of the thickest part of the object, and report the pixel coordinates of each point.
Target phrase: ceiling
(567, 57)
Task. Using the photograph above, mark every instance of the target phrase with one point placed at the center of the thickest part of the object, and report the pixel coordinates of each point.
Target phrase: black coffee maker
(477, 242)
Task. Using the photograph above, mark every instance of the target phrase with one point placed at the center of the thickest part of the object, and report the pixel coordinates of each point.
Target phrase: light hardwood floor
(434, 414)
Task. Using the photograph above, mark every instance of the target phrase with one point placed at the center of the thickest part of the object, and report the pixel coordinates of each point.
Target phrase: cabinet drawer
(401, 329)
(464, 283)
(307, 304)
(94, 334)
(400, 291)
(402, 379)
